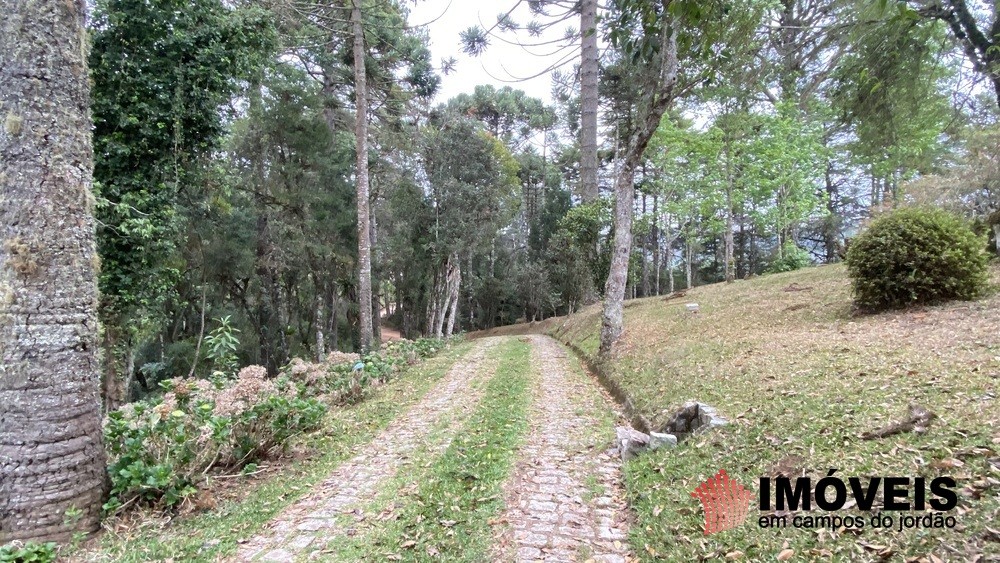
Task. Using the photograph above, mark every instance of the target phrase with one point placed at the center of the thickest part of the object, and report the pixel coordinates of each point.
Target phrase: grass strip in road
(214, 534)
(448, 515)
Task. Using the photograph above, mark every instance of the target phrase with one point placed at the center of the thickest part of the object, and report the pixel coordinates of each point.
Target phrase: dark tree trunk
(51, 457)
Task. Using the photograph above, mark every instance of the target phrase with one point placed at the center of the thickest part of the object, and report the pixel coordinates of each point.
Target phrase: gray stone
(630, 442)
(691, 418)
(658, 440)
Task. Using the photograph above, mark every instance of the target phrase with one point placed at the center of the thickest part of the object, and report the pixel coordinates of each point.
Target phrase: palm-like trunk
(51, 457)
(364, 223)
(589, 68)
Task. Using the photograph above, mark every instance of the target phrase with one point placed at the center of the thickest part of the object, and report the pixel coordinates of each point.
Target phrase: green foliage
(162, 70)
(30, 552)
(791, 258)
(160, 450)
(346, 380)
(912, 256)
(221, 345)
(887, 87)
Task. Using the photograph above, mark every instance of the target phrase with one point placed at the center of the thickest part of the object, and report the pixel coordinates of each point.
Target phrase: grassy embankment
(802, 377)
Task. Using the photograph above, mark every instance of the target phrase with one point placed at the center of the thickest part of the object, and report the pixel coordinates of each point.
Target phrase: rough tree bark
(589, 68)
(454, 284)
(728, 238)
(361, 133)
(652, 106)
(320, 333)
(51, 457)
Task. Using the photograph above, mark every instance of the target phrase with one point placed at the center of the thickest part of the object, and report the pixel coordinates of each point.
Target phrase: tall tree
(976, 31)
(163, 70)
(50, 423)
(475, 39)
(364, 220)
(654, 49)
(589, 69)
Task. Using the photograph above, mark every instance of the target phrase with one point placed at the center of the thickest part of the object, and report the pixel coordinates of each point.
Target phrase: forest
(226, 182)
(190, 188)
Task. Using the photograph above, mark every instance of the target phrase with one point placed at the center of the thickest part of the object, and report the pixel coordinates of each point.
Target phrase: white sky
(500, 60)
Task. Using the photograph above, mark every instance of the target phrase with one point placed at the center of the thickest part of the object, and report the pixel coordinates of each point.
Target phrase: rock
(658, 440)
(709, 418)
(693, 307)
(692, 417)
(630, 442)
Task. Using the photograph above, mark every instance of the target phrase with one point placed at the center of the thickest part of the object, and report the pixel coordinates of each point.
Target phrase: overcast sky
(501, 63)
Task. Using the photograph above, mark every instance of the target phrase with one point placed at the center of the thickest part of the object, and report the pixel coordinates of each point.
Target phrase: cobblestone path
(564, 501)
(304, 527)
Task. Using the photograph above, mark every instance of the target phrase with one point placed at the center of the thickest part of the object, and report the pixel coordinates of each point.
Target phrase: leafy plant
(792, 258)
(30, 552)
(159, 451)
(221, 345)
(913, 256)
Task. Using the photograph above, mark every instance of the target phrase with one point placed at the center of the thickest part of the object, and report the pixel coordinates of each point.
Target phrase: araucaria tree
(52, 471)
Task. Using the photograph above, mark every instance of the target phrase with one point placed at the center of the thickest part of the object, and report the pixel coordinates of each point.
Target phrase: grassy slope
(802, 378)
(210, 535)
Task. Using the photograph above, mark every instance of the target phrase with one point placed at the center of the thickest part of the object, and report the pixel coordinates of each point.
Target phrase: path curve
(564, 503)
(294, 532)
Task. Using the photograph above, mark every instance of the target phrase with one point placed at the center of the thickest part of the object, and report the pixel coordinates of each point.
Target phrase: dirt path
(564, 500)
(310, 523)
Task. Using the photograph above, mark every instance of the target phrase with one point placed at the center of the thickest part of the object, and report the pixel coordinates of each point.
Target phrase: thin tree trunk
(320, 336)
(201, 335)
(656, 242)
(361, 134)
(589, 68)
(687, 265)
(51, 458)
(453, 292)
(730, 181)
(653, 106)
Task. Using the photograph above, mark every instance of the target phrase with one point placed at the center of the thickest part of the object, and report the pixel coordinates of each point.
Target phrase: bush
(159, 450)
(914, 256)
(30, 552)
(340, 383)
(792, 258)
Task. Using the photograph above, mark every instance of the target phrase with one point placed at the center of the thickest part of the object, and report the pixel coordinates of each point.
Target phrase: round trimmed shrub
(911, 256)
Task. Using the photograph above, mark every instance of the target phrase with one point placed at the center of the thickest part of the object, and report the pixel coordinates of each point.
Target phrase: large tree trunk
(361, 134)
(51, 457)
(652, 107)
(589, 68)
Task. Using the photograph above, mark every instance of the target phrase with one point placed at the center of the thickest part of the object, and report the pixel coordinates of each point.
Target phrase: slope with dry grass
(803, 378)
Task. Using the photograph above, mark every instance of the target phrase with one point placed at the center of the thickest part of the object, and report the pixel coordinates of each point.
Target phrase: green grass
(802, 377)
(213, 534)
(446, 513)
